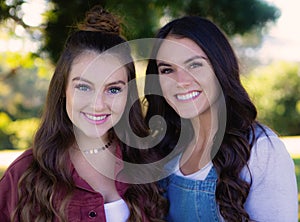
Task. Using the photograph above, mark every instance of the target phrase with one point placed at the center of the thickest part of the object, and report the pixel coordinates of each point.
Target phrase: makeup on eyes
(191, 63)
(82, 87)
(86, 85)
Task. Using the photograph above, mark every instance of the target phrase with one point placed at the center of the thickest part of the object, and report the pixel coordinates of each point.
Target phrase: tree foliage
(142, 18)
(275, 90)
(23, 84)
(24, 77)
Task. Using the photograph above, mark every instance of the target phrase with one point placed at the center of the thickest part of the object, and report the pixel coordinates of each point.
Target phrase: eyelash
(165, 71)
(83, 87)
(112, 90)
(194, 65)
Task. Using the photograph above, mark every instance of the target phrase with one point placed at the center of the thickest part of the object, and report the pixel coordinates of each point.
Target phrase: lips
(188, 96)
(96, 118)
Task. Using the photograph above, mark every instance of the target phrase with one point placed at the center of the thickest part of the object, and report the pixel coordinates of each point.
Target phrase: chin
(188, 115)
(94, 135)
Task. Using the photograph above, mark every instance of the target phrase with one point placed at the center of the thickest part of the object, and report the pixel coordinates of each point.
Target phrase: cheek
(118, 103)
(69, 103)
(166, 84)
(118, 106)
(75, 102)
(212, 89)
(209, 83)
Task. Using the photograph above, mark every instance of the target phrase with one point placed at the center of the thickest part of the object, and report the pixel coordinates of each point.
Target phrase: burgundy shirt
(85, 204)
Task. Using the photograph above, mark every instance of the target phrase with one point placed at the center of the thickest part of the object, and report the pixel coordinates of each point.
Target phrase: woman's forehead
(93, 65)
(177, 50)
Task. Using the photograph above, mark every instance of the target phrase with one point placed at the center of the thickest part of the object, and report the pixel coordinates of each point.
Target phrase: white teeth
(95, 118)
(187, 96)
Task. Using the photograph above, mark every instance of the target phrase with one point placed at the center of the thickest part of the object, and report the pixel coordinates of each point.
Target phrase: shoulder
(273, 177)
(268, 157)
(9, 183)
(24, 159)
(268, 146)
(19, 165)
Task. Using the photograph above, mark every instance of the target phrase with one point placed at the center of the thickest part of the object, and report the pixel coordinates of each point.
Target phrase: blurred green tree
(24, 76)
(20, 132)
(141, 18)
(4, 138)
(24, 81)
(23, 84)
(275, 90)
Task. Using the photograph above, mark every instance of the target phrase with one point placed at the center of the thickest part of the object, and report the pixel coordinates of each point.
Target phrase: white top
(199, 175)
(273, 196)
(116, 211)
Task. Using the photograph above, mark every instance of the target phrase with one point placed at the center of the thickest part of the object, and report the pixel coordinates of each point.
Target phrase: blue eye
(114, 90)
(83, 87)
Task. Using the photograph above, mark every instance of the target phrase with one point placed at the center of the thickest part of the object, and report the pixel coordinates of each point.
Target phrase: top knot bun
(99, 20)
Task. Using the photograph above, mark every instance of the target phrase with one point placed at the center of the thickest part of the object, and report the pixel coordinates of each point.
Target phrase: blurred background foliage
(30, 48)
(275, 90)
(141, 18)
(24, 81)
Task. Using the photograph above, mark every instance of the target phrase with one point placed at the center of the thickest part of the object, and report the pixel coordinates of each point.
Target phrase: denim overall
(191, 200)
(194, 200)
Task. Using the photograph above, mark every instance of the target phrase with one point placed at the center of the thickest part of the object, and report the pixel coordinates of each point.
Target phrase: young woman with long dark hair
(230, 167)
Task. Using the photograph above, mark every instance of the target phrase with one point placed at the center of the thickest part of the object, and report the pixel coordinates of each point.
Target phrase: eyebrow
(116, 83)
(194, 57)
(163, 64)
(185, 62)
(109, 84)
(81, 79)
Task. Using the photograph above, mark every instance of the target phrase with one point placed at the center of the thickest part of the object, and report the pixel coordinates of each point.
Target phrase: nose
(98, 102)
(183, 78)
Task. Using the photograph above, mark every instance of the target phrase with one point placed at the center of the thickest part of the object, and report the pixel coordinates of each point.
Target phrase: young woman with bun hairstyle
(231, 168)
(60, 178)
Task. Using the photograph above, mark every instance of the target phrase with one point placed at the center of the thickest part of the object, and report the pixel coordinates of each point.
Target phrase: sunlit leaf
(4, 120)
(22, 131)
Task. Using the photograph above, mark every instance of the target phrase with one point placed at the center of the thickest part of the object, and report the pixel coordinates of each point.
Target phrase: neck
(102, 162)
(85, 143)
(95, 152)
(198, 153)
(204, 127)
(99, 171)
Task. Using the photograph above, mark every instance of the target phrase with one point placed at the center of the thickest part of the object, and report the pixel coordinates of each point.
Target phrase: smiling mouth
(96, 117)
(188, 96)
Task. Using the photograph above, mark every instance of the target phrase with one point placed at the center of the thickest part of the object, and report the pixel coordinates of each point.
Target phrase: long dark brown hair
(234, 152)
(49, 174)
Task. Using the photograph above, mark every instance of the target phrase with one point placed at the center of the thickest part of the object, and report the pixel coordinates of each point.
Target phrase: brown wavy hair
(49, 174)
(234, 151)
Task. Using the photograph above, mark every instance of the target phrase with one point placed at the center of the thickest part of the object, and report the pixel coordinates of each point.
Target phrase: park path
(292, 144)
